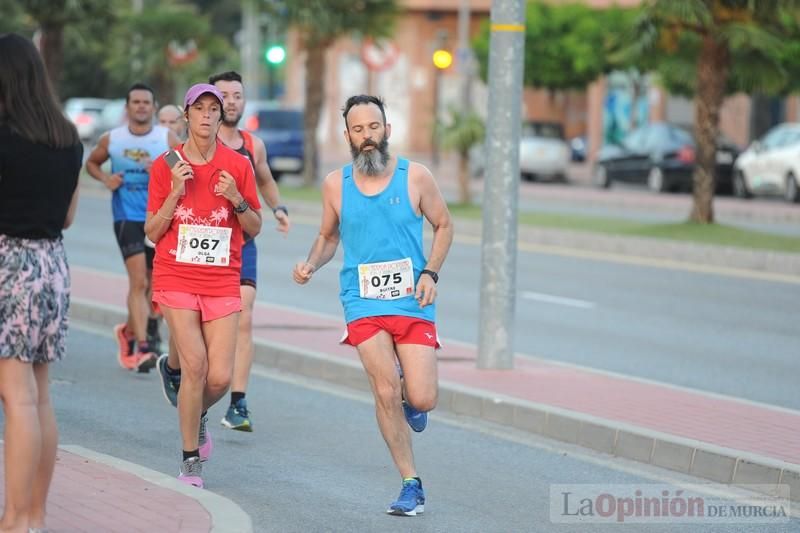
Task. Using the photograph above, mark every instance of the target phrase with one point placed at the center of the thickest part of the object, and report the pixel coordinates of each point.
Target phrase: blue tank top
(130, 155)
(375, 229)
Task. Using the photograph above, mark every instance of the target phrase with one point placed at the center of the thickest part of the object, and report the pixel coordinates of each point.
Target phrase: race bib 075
(386, 281)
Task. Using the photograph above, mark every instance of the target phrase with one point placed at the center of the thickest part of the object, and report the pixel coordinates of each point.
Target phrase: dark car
(282, 133)
(662, 156)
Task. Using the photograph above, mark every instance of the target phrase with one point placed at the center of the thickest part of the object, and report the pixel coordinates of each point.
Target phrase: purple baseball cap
(196, 91)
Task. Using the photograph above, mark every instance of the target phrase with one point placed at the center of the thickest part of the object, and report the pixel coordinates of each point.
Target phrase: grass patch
(302, 194)
(717, 234)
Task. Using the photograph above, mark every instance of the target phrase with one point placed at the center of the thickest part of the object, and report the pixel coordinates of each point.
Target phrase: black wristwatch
(280, 208)
(242, 207)
(434, 276)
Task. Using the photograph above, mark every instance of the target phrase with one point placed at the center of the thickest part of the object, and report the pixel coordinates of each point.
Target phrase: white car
(85, 114)
(543, 153)
(770, 165)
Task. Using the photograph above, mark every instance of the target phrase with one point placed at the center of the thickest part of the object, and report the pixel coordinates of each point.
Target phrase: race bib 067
(203, 245)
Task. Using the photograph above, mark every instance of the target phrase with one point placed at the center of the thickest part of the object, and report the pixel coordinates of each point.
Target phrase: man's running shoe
(418, 420)
(204, 439)
(125, 343)
(238, 417)
(192, 472)
(169, 384)
(411, 500)
(144, 361)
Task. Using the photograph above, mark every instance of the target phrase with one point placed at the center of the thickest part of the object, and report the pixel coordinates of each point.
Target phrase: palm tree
(52, 16)
(320, 23)
(734, 44)
(462, 131)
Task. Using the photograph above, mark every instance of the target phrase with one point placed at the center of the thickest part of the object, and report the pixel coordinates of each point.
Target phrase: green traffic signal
(275, 54)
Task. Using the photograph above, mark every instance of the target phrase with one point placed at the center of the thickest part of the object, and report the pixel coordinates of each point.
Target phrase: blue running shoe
(238, 417)
(411, 500)
(418, 420)
(169, 384)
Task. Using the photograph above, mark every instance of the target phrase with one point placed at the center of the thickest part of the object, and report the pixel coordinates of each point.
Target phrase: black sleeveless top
(36, 185)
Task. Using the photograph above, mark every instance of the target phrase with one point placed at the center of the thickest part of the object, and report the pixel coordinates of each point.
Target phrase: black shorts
(130, 238)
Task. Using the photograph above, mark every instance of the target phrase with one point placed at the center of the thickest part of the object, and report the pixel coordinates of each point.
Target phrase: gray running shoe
(192, 472)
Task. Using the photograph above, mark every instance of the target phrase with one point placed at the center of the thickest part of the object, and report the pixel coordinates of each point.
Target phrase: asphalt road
(316, 461)
(733, 336)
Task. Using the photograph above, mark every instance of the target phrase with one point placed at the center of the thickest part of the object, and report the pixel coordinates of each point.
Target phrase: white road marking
(559, 300)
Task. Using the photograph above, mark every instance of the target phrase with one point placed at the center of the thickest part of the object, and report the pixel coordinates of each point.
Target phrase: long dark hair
(27, 103)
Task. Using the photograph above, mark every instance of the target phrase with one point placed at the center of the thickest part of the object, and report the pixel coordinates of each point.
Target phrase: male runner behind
(377, 206)
(170, 116)
(238, 416)
(132, 148)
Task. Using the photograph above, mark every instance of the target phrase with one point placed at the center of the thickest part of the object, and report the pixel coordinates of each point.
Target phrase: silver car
(85, 114)
(771, 165)
(543, 153)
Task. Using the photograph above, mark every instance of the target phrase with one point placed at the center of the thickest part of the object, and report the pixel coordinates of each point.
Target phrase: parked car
(113, 115)
(662, 156)
(543, 153)
(770, 165)
(85, 114)
(281, 129)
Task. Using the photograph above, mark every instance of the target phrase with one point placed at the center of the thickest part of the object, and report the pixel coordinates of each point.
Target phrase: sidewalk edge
(672, 452)
(226, 515)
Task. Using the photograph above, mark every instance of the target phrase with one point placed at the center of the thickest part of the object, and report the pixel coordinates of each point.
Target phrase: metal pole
(251, 49)
(499, 244)
(437, 81)
(464, 55)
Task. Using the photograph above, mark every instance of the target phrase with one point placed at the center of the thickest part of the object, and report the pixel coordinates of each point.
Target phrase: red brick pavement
(89, 496)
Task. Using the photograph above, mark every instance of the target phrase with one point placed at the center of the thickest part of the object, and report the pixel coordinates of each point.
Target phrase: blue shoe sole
(419, 509)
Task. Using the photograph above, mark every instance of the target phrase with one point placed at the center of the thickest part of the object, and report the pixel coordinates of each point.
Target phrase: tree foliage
(762, 37)
(567, 46)
(104, 46)
(319, 24)
(139, 49)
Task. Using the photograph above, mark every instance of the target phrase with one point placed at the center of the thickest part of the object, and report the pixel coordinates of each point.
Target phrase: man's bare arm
(326, 243)
(267, 185)
(434, 208)
(96, 159)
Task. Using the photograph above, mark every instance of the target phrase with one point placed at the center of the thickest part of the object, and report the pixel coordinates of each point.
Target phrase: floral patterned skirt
(34, 299)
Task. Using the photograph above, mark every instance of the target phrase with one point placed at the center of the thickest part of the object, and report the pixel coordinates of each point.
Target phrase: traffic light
(442, 59)
(275, 54)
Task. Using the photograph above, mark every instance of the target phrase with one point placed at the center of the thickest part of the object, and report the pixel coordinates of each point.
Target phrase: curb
(226, 516)
(696, 458)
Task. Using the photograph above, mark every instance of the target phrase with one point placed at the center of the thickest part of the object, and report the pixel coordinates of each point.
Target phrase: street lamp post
(442, 59)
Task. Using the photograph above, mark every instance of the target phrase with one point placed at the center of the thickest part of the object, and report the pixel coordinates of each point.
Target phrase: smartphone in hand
(172, 157)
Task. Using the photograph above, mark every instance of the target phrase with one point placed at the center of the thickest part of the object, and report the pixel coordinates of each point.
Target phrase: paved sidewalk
(93, 492)
(719, 438)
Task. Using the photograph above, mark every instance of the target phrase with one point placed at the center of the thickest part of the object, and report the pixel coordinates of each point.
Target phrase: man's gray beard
(371, 162)
(231, 124)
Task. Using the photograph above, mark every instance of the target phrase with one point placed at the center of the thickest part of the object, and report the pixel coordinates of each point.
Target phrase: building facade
(402, 72)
